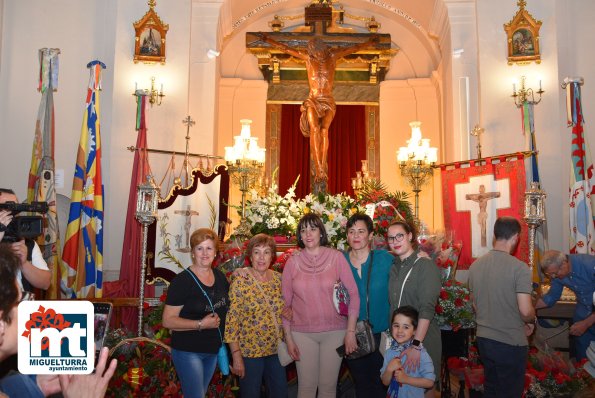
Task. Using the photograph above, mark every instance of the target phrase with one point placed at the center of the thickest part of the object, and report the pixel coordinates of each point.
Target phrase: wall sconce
(212, 54)
(155, 96)
(525, 94)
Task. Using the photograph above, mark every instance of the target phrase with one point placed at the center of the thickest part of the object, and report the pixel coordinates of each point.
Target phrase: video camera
(24, 227)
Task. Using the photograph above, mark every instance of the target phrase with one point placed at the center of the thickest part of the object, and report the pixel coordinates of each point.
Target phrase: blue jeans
(504, 366)
(275, 378)
(195, 370)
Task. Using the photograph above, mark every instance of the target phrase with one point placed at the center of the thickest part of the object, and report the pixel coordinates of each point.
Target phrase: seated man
(34, 272)
(577, 272)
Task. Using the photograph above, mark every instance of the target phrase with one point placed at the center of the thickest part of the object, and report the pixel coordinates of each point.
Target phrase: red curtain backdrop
(460, 221)
(347, 147)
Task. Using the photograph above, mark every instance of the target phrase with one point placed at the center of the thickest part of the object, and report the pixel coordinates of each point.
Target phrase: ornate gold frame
(523, 37)
(149, 40)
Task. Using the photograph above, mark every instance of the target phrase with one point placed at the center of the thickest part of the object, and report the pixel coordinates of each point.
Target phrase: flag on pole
(83, 248)
(582, 181)
(41, 185)
(532, 173)
(131, 247)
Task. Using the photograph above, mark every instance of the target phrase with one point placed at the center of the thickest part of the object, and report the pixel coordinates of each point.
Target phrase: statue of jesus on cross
(318, 110)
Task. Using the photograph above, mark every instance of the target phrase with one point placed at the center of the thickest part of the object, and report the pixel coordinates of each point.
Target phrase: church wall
(502, 119)
(403, 101)
(84, 31)
(240, 99)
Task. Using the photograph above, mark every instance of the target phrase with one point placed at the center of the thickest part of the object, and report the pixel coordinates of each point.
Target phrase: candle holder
(244, 161)
(416, 161)
(526, 94)
(362, 178)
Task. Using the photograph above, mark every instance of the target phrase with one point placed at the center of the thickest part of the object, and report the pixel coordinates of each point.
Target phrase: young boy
(412, 385)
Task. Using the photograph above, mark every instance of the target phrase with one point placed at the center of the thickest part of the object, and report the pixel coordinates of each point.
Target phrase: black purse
(366, 343)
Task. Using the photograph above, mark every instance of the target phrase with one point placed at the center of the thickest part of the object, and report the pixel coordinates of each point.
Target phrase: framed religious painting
(149, 39)
(523, 37)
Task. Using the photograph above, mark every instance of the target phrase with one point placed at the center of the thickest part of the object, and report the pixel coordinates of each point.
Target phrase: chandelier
(416, 161)
(244, 160)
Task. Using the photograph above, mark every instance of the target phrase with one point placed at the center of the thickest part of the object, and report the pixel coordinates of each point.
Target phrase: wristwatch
(3, 227)
(416, 343)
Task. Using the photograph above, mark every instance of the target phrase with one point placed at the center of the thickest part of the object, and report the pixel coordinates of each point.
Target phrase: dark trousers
(366, 375)
(504, 367)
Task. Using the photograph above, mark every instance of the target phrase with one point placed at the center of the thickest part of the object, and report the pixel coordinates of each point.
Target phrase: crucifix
(321, 51)
(186, 165)
(187, 214)
(477, 132)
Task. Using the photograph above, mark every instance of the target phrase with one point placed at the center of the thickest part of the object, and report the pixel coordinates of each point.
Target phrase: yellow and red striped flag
(82, 274)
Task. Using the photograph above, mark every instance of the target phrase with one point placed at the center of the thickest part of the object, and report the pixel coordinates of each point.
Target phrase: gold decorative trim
(522, 33)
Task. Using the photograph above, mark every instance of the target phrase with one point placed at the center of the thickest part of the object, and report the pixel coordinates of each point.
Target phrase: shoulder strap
(405, 281)
(368, 284)
(206, 295)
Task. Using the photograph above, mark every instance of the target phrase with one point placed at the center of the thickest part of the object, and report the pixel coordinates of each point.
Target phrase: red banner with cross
(475, 194)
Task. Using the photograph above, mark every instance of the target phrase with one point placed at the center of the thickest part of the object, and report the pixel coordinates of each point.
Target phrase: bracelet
(418, 348)
(350, 330)
(234, 351)
(199, 325)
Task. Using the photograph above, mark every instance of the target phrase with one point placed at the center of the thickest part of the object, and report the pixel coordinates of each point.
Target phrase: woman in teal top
(366, 370)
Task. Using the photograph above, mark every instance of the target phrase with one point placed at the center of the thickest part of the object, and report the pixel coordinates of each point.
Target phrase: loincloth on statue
(321, 105)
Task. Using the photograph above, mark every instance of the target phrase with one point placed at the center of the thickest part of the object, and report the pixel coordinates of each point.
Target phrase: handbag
(366, 343)
(223, 360)
(282, 351)
(284, 357)
(222, 355)
(341, 297)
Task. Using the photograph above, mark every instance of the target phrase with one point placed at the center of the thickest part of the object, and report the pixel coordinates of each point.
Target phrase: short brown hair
(9, 292)
(202, 234)
(262, 240)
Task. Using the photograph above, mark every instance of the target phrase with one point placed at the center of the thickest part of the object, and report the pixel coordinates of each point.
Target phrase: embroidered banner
(475, 195)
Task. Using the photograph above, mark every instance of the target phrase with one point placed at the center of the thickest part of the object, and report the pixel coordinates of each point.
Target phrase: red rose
(439, 309)
(162, 297)
(448, 283)
(145, 305)
(443, 294)
(384, 223)
(458, 302)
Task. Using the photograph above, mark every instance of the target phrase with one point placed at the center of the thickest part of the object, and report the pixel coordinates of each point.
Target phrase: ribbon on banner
(582, 180)
(475, 195)
(41, 183)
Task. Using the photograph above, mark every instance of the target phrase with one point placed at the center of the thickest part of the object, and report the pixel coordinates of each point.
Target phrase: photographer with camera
(34, 272)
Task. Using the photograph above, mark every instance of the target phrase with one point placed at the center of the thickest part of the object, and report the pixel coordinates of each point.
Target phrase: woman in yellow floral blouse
(253, 323)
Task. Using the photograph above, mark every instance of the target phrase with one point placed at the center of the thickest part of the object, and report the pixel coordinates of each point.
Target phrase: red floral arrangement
(389, 207)
(550, 375)
(454, 309)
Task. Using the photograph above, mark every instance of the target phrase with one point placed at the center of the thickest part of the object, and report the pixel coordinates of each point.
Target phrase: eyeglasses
(396, 238)
(27, 296)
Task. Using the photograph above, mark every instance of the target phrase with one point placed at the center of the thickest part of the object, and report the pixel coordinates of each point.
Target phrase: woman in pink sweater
(316, 329)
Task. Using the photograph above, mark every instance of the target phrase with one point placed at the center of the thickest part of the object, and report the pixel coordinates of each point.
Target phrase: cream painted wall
(501, 119)
(402, 101)
(88, 30)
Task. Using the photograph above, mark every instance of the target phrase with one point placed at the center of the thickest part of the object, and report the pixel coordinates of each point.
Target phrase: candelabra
(362, 178)
(534, 215)
(416, 161)
(147, 194)
(155, 96)
(244, 161)
(525, 94)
